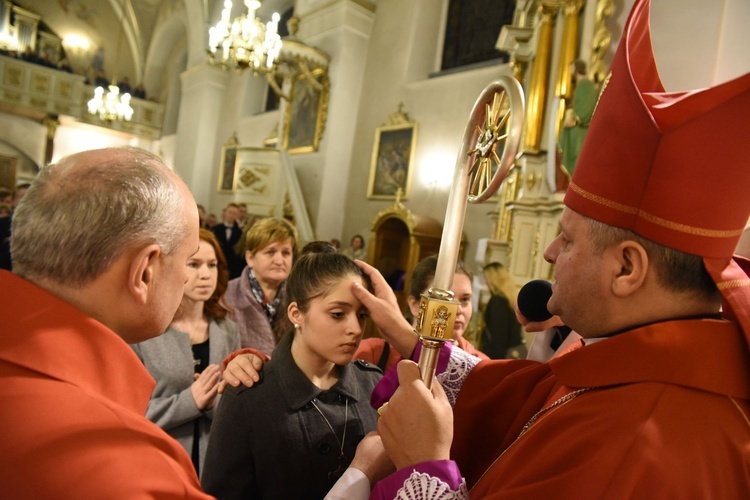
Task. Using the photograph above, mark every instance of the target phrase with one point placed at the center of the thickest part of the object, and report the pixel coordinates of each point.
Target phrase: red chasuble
(657, 412)
(74, 396)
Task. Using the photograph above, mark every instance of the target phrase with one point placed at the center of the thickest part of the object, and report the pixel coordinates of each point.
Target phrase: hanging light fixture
(245, 42)
(112, 106)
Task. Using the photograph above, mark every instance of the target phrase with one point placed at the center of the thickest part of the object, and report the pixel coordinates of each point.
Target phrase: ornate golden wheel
(492, 137)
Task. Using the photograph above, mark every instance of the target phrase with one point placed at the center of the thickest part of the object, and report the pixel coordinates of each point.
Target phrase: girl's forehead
(340, 290)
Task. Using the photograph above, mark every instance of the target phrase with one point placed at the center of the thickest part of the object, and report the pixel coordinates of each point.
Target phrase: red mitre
(674, 167)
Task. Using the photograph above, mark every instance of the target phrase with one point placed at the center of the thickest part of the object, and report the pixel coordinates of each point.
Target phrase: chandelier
(245, 42)
(112, 106)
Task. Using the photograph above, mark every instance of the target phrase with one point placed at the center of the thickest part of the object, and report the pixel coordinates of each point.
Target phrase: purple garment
(442, 470)
(389, 383)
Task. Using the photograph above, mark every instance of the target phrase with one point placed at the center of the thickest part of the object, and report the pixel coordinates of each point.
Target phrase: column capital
(572, 7)
(549, 9)
(203, 74)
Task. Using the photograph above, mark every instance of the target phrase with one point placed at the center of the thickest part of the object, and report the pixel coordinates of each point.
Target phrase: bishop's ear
(631, 261)
(142, 271)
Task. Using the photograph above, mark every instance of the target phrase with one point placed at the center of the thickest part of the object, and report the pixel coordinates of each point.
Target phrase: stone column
(203, 88)
(340, 28)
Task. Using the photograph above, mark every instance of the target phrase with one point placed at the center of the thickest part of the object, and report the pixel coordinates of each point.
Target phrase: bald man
(100, 246)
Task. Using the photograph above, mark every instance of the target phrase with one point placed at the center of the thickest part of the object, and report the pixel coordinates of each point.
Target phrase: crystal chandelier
(245, 42)
(111, 107)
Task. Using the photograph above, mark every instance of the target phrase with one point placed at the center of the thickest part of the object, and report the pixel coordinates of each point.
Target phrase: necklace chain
(346, 419)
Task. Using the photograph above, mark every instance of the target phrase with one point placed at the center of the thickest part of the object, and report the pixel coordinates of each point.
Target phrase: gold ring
(380, 414)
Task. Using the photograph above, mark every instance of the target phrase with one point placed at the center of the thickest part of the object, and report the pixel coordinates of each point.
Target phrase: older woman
(255, 297)
(184, 360)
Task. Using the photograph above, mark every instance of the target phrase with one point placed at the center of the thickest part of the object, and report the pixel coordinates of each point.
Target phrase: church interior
(350, 120)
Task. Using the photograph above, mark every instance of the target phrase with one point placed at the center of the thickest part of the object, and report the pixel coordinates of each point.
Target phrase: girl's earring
(296, 326)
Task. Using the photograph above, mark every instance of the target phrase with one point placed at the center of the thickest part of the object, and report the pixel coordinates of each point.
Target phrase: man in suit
(229, 233)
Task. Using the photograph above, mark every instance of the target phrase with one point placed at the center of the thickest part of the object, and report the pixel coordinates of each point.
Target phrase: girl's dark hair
(316, 271)
(318, 247)
(214, 307)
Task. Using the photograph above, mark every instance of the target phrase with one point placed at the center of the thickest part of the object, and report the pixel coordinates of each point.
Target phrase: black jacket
(269, 441)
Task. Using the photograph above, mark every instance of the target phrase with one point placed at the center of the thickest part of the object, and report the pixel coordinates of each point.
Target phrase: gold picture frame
(228, 168)
(306, 112)
(8, 172)
(392, 161)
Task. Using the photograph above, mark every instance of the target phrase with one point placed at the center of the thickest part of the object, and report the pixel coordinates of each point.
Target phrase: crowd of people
(99, 78)
(135, 365)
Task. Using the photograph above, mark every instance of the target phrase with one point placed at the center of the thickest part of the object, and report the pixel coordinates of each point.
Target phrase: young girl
(376, 350)
(185, 359)
(295, 431)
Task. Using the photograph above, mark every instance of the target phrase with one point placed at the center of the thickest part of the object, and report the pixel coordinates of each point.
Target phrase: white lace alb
(420, 486)
(459, 366)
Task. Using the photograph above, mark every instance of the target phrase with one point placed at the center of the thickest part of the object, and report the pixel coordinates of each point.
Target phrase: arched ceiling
(123, 28)
(126, 28)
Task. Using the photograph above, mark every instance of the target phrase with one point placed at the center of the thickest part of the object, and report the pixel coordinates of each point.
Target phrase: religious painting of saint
(392, 161)
(306, 113)
(8, 172)
(227, 172)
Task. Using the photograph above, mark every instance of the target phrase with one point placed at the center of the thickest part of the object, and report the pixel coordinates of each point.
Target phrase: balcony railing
(36, 91)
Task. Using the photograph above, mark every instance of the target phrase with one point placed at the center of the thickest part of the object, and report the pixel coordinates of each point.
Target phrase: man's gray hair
(83, 213)
(676, 270)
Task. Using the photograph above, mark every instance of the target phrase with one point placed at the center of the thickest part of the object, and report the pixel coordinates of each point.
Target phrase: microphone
(532, 302)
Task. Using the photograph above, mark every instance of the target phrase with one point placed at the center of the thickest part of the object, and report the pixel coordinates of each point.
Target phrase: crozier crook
(487, 154)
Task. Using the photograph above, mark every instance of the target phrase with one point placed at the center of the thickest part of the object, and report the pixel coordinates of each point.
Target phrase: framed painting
(258, 176)
(227, 168)
(8, 172)
(392, 161)
(306, 113)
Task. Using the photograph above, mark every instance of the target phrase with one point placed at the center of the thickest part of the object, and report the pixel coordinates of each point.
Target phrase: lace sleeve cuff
(428, 480)
(453, 366)
(457, 369)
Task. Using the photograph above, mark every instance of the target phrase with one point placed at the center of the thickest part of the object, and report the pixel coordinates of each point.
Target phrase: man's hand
(372, 459)
(417, 425)
(243, 370)
(385, 311)
(537, 326)
(205, 387)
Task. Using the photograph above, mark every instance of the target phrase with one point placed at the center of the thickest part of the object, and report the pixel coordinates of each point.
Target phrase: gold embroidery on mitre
(675, 226)
(603, 201)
